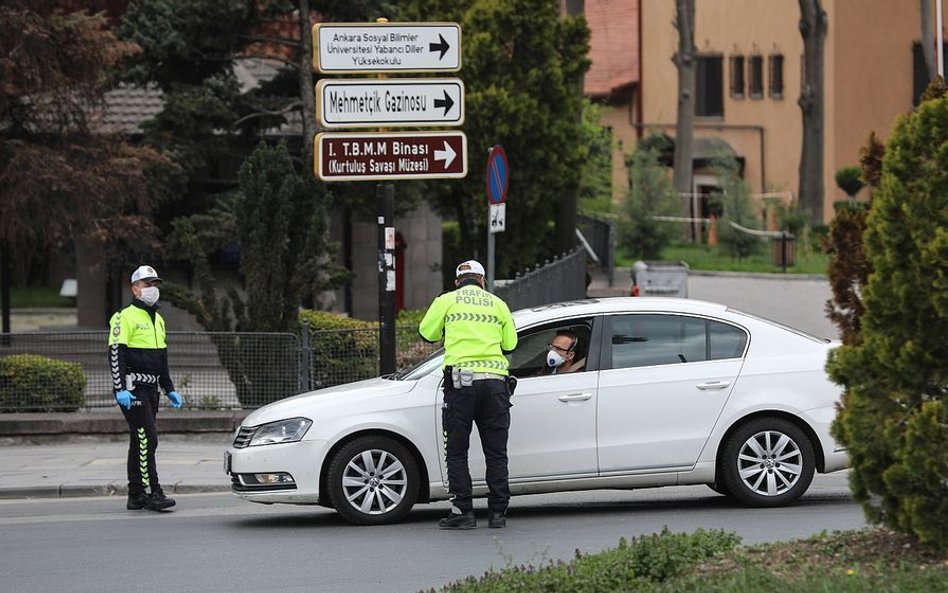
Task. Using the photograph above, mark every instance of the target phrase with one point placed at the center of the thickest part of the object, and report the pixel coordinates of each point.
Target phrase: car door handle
(713, 385)
(575, 397)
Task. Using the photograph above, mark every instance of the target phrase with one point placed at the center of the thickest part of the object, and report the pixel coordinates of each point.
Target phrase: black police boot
(137, 501)
(496, 520)
(160, 502)
(458, 521)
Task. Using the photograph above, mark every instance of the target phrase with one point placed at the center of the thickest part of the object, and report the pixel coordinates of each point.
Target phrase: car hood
(315, 403)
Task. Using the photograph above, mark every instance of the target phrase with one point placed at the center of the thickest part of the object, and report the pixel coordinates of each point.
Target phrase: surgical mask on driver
(554, 358)
(150, 295)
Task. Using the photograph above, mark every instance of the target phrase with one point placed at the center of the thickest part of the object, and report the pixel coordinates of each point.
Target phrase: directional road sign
(348, 103)
(342, 156)
(386, 47)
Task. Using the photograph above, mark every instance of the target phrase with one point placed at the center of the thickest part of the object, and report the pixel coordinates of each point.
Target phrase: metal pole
(490, 255)
(386, 264)
(941, 39)
(306, 360)
(5, 290)
(783, 251)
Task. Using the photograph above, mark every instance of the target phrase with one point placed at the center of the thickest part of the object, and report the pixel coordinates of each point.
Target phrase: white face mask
(554, 358)
(149, 295)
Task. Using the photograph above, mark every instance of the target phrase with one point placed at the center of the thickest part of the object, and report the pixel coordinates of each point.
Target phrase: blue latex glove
(124, 398)
(176, 400)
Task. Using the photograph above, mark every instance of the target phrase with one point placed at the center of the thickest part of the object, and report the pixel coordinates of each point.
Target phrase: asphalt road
(797, 301)
(217, 543)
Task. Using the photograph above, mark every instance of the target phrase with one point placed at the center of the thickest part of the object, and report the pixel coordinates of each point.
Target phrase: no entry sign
(497, 175)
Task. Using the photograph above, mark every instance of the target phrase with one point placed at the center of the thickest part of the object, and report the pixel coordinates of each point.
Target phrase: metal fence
(343, 356)
(562, 279)
(211, 370)
(227, 370)
(601, 236)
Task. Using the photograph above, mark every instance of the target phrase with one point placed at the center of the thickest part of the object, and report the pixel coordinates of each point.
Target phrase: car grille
(243, 436)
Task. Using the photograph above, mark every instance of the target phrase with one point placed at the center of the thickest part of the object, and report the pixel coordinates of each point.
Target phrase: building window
(776, 76)
(737, 77)
(709, 86)
(756, 72)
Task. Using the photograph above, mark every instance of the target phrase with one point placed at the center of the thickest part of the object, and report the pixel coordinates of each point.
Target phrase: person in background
(138, 361)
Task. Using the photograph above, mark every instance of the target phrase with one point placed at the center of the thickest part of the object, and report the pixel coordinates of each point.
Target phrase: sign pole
(490, 256)
(385, 192)
(497, 180)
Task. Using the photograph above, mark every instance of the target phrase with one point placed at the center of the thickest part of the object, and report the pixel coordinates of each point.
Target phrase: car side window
(529, 357)
(725, 341)
(650, 339)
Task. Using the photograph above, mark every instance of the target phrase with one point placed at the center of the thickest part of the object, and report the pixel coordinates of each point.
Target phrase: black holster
(511, 384)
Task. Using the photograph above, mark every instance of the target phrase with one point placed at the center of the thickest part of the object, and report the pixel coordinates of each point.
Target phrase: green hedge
(345, 349)
(33, 383)
(639, 565)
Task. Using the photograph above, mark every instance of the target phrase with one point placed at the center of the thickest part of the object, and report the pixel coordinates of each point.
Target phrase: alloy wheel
(770, 463)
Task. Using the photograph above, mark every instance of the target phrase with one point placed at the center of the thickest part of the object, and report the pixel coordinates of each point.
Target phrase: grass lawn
(29, 297)
(868, 560)
(701, 257)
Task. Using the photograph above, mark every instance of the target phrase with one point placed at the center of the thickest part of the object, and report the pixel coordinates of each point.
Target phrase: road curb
(99, 490)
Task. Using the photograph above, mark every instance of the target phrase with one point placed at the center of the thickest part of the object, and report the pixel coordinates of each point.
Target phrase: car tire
(767, 462)
(373, 481)
(719, 488)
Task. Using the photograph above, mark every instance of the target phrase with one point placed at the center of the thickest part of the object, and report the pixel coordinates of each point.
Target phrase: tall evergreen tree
(894, 419)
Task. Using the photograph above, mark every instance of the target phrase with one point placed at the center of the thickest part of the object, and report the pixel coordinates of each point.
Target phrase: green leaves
(893, 417)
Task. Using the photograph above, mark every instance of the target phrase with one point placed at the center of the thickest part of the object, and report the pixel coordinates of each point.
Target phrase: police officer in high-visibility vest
(138, 359)
(477, 329)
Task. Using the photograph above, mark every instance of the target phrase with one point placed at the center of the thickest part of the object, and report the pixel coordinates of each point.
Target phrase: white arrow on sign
(354, 103)
(447, 155)
(386, 47)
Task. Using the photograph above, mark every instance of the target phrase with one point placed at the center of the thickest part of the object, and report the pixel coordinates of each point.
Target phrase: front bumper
(301, 460)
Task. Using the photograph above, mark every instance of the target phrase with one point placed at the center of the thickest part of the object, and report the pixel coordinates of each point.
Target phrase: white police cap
(469, 267)
(145, 273)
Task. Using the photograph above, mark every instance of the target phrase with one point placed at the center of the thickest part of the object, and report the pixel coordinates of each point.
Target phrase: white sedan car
(666, 392)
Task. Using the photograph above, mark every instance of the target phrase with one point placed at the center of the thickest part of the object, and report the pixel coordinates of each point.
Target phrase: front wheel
(768, 462)
(373, 481)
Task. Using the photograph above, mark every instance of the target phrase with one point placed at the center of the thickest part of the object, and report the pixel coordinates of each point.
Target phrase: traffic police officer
(138, 360)
(477, 328)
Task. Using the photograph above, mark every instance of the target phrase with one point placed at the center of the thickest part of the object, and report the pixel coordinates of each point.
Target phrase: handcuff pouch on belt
(458, 377)
(462, 377)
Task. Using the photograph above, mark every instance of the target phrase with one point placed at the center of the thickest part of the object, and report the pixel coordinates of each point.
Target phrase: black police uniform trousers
(143, 440)
(487, 404)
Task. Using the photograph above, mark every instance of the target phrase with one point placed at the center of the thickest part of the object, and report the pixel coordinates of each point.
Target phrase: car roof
(607, 305)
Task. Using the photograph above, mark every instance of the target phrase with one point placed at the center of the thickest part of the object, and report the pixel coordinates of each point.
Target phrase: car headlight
(281, 431)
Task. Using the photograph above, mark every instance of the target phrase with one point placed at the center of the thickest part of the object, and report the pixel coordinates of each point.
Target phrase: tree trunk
(684, 60)
(813, 25)
(307, 90)
(928, 37)
(565, 210)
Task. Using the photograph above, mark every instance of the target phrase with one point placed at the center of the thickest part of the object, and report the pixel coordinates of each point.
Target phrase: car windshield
(419, 370)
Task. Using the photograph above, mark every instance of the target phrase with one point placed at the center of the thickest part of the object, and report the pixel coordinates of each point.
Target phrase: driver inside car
(561, 357)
